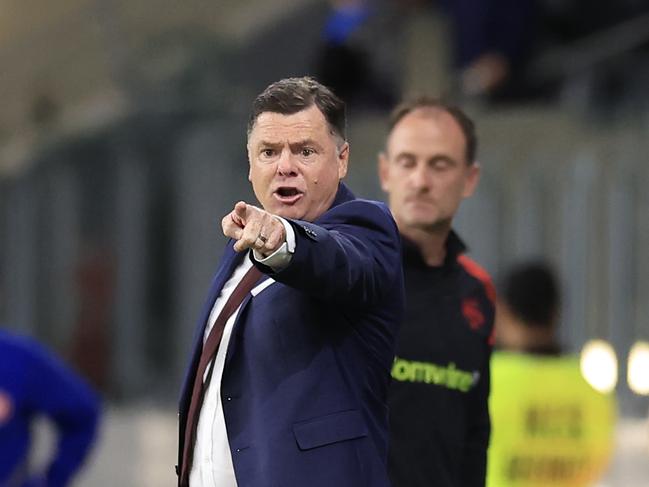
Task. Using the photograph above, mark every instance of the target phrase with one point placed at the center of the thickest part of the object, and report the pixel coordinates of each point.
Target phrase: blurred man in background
(33, 383)
(550, 427)
(290, 369)
(438, 399)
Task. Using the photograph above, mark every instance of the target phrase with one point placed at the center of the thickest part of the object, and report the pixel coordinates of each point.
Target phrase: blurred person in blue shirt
(357, 55)
(33, 382)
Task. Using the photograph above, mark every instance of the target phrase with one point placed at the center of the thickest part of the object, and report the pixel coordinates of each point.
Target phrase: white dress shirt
(212, 461)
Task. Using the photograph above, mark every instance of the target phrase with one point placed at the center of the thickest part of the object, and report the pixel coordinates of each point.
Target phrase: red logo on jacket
(472, 313)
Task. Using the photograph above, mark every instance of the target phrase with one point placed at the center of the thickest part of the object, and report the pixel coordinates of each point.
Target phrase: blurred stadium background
(122, 143)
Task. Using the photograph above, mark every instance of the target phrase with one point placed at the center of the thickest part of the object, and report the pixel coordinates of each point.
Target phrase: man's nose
(287, 165)
(420, 178)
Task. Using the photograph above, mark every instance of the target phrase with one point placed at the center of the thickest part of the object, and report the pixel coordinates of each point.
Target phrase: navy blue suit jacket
(308, 363)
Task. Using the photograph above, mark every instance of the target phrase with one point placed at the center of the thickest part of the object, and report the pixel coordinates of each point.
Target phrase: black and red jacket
(439, 416)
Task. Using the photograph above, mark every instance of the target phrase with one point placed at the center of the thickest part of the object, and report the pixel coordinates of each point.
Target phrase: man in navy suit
(288, 378)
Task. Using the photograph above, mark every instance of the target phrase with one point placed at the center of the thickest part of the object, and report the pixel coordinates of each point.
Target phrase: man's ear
(383, 170)
(343, 160)
(472, 180)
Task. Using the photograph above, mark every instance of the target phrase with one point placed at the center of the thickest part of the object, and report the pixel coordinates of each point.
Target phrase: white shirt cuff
(281, 258)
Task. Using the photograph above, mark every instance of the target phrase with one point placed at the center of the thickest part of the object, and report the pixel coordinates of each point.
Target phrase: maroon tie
(209, 352)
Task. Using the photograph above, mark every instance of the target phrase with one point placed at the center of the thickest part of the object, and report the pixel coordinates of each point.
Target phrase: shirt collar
(454, 247)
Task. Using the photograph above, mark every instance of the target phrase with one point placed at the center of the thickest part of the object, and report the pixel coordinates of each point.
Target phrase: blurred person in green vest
(549, 426)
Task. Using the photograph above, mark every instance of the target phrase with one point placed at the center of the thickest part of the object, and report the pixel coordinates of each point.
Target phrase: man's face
(424, 170)
(296, 163)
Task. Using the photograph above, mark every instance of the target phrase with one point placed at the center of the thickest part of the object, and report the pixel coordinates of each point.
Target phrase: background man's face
(295, 163)
(424, 170)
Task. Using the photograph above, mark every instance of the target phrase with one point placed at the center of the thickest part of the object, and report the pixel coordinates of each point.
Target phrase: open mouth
(287, 195)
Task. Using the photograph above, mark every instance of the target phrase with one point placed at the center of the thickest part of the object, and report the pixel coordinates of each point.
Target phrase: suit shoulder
(20, 345)
(363, 209)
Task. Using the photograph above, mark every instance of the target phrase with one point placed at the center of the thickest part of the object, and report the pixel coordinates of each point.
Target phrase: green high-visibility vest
(549, 426)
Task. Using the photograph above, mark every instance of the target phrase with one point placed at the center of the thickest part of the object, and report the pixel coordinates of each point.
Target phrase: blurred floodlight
(599, 365)
(638, 368)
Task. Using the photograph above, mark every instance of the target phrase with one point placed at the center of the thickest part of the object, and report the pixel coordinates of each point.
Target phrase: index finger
(238, 215)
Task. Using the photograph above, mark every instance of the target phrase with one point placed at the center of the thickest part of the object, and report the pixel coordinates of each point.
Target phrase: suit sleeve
(73, 407)
(474, 461)
(351, 255)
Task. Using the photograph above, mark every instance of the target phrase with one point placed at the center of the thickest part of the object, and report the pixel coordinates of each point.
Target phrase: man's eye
(307, 152)
(442, 164)
(406, 162)
(268, 153)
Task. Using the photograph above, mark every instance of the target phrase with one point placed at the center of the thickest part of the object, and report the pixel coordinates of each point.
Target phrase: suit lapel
(229, 262)
(237, 329)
